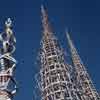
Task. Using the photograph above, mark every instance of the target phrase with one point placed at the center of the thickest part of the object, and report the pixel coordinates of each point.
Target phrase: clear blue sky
(81, 16)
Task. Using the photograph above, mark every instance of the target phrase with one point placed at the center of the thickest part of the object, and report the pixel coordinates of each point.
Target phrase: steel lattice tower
(7, 63)
(85, 87)
(54, 77)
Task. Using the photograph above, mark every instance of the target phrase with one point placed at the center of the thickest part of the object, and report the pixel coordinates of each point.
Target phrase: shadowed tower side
(54, 77)
(83, 81)
(7, 63)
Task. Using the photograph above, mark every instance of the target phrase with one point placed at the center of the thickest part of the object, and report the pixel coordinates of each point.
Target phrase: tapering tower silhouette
(54, 81)
(7, 62)
(84, 85)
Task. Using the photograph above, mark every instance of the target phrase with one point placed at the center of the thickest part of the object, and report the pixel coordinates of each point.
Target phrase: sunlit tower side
(54, 77)
(85, 87)
(7, 62)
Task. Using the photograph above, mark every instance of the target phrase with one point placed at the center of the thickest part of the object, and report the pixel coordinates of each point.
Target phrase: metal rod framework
(57, 80)
(83, 81)
(54, 78)
(8, 85)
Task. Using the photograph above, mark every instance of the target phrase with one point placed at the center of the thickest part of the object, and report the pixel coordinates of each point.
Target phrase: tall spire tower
(83, 82)
(7, 63)
(54, 77)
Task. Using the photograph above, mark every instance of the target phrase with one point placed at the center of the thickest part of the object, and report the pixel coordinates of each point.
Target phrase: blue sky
(82, 17)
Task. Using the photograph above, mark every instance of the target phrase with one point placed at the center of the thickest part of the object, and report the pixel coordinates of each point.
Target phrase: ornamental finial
(8, 23)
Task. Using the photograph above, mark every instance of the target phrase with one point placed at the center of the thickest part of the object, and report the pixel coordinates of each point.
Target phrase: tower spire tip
(67, 33)
(8, 22)
(45, 20)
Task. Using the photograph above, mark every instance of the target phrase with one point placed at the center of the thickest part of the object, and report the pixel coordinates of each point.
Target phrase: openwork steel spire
(83, 82)
(45, 21)
(54, 78)
(7, 62)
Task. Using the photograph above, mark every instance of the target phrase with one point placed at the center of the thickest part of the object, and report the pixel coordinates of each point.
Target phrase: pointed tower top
(8, 23)
(42, 8)
(45, 21)
(69, 40)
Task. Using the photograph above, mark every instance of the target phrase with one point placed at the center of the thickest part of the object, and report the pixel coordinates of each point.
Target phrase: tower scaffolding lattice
(54, 77)
(8, 85)
(83, 82)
